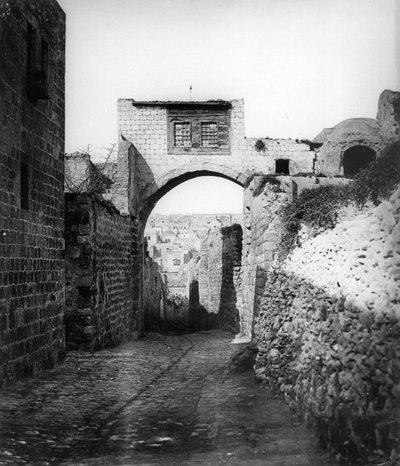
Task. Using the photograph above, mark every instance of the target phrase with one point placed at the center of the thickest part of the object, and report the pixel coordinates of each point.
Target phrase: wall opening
(197, 263)
(24, 186)
(356, 159)
(282, 166)
(37, 65)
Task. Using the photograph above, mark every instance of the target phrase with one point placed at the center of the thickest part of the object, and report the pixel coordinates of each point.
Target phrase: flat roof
(182, 103)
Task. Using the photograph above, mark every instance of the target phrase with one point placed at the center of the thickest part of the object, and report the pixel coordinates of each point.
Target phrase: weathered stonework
(328, 333)
(262, 202)
(82, 176)
(31, 187)
(389, 114)
(347, 134)
(218, 281)
(358, 133)
(337, 366)
(154, 296)
(260, 241)
(150, 166)
(102, 297)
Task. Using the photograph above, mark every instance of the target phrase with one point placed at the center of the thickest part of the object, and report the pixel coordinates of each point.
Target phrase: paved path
(160, 401)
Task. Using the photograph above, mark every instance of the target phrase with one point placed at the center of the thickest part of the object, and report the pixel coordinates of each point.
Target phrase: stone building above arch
(163, 142)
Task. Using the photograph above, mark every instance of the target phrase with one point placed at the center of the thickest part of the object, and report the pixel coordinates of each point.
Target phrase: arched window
(356, 159)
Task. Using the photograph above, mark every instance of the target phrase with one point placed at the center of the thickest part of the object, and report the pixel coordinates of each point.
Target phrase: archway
(176, 177)
(198, 249)
(357, 158)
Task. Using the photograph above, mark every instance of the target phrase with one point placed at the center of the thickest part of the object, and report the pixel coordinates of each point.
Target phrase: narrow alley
(161, 400)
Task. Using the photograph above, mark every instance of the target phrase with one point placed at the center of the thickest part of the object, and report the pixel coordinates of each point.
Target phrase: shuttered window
(182, 134)
(209, 134)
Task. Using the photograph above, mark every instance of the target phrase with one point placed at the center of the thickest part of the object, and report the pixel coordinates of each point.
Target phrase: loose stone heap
(329, 333)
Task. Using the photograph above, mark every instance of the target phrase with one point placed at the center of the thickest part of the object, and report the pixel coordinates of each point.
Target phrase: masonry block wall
(361, 133)
(32, 37)
(262, 202)
(158, 162)
(102, 274)
(82, 176)
(154, 296)
(219, 281)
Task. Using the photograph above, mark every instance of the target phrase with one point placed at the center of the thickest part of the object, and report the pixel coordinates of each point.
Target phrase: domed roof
(365, 127)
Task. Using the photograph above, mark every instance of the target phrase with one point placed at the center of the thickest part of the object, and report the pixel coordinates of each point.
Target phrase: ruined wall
(329, 333)
(389, 115)
(260, 239)
(102, 273)
(356, 132)
(154, 296)
(31, 187)
(350, 133)
(219, 281)
(263, 199)
(82, 176)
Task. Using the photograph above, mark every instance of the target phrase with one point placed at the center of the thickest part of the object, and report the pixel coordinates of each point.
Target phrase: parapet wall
(328, 333)
(102, 284)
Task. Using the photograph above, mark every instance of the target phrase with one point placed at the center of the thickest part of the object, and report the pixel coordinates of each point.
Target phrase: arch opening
(195, 253)
(357, 158)
(171, 182)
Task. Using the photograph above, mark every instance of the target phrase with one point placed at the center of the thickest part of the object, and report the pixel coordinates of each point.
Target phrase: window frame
(182, 122)
(209, 122)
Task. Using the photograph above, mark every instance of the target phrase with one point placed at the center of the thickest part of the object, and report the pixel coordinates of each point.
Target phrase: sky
(300, 65)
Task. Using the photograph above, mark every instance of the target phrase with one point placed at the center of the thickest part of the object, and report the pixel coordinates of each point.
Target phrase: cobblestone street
(162, 400)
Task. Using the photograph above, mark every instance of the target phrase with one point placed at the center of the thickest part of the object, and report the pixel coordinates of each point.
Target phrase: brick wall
(31, 187)
(102, 274)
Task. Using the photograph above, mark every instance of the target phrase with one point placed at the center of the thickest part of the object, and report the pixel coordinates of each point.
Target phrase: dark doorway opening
(356, 159)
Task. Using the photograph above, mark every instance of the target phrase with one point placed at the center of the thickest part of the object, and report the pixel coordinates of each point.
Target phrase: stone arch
(199, 316)
(176, 176)
(356, 158)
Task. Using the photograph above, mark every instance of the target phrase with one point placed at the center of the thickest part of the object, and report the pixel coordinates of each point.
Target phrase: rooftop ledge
(180, 103)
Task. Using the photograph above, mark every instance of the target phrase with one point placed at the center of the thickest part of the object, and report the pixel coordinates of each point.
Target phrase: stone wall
(102, 281)
(82, 176)
(219, 281)
(389, 115)
(358, 132)
(329, 333)
(31, 187)
(260, 239)
(263, 199)
(154, 296)
(154, 168)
